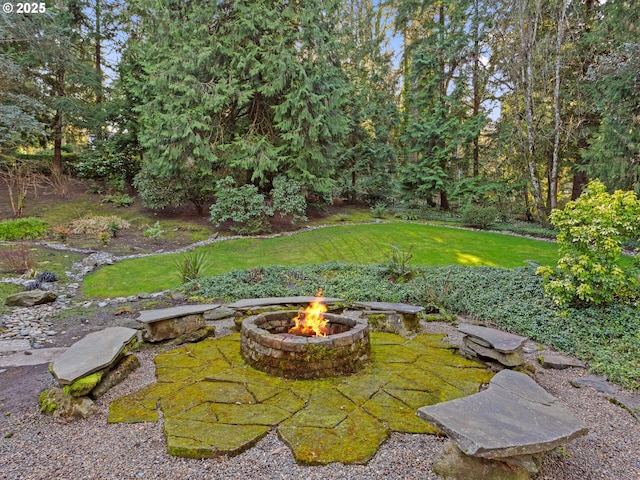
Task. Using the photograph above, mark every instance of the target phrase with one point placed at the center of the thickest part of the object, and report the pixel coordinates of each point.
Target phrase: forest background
(273, 105)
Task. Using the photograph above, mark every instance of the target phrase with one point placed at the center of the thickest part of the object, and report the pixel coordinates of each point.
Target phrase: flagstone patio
(215, 404)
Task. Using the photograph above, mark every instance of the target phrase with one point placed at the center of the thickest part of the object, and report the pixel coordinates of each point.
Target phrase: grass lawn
(358, 244)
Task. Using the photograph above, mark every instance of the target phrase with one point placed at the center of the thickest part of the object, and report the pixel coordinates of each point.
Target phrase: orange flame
(312, 322)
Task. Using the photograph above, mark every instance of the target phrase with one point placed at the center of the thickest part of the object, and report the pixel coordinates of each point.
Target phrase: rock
(599, 382)
(507, 359)
(265, 302)
(559, 362)
(452, 464)
(484, 342)
(170, 323)
(196, 335)
(219, 313)
(490, 337)
(14, 345)
(127, 365)
(30, 298)
(57, 403)
(629, 402)
(36, 357)
(512, 421)
(396, 307)
(96, 351)
(97, 259)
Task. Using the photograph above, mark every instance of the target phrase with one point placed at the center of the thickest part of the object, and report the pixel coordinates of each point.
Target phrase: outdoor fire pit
(303, 345)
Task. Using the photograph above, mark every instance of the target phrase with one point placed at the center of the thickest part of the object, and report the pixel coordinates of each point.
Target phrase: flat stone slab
(14, 345)
(600, 382)
(150, 316)
(559, 362)
(514, 416)
(629, 402)
(31, 357)
(396, 307)
(96, 351)
(266, 302)
(470, 347)
(490, 337)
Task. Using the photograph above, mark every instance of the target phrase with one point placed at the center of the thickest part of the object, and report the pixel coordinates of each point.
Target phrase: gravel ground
(33, 446)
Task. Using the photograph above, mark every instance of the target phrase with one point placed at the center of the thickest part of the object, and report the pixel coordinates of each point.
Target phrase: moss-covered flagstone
(215, 404)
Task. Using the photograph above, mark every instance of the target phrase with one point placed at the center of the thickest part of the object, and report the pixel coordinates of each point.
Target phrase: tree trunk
(58, 127)
(476, 86)
(553, 174)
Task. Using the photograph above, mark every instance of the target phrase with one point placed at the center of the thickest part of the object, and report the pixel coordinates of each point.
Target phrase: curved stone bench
(505, 429)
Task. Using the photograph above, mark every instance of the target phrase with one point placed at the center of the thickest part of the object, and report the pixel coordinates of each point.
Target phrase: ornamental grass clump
(591, 233)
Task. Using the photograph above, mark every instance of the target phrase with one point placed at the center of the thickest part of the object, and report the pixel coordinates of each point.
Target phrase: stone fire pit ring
(266, 346)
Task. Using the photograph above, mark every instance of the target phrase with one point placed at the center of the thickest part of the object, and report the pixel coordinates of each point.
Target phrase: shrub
(18, 261)
(119, 200)
(244, 206)
(288, 199)
(154, 232)
(159, 191)
(191, 266)
(23, 229)
(61, 233)
(379, 210)
(591, 233)
(98, 224)
(479, 216)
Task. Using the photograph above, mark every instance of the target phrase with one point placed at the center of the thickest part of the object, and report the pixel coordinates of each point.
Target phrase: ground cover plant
(513, 299)
(23, 229)
(358, 244)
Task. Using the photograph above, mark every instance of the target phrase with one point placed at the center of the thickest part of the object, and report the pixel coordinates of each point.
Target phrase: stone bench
(484, 343)
(169, 323)
(502, 431)
(400, 318)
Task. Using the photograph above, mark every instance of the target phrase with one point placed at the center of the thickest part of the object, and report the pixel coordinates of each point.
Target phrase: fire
(312, 322)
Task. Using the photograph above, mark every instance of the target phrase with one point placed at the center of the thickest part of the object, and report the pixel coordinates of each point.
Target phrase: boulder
(57, 403)
(30, 298)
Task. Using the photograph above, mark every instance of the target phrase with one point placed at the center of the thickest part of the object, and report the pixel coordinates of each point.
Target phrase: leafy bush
(191, 266)
(479, 216)
(160, 191)
(591, 233)
(23, 229)
(18, 261)
(379, 210)
(107, 160)
(118, 199)
(243, 205)
(99, 224)
(155, 232)
(288, 199)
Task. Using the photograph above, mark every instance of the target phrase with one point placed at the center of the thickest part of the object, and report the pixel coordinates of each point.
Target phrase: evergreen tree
(253, 89)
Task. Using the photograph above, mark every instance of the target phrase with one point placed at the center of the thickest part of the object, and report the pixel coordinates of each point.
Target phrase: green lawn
(360, 244)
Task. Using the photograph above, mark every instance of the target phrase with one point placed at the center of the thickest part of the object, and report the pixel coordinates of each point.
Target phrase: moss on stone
(214, 403)
(198, 439)
(397, 415)
(354, 440)
(84, 385)
(47, 403)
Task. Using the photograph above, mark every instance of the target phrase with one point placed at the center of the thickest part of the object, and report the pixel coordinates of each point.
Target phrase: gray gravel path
(33, 446)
